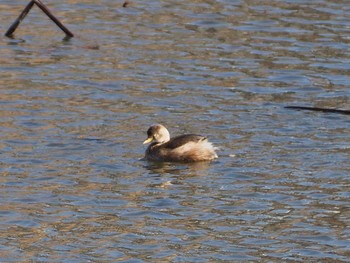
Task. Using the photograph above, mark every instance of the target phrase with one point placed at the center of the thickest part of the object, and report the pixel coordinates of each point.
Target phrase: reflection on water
(74, 114)
(162, 168)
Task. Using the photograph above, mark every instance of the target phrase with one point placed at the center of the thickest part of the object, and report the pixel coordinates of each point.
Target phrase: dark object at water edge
(44, 8)
(347, 112)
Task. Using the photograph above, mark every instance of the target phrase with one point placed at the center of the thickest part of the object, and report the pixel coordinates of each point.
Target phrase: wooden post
(44, 8)
(53, 18)
(15, 24)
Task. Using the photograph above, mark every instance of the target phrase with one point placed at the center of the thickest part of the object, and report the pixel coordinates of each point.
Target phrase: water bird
(183, 148)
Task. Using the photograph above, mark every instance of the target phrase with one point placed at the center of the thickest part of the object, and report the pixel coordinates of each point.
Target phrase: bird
(183, 148)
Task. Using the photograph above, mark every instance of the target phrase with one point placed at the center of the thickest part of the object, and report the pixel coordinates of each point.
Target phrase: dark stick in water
(53, 18)
(44, 8)
(319, 109)
(15, 24)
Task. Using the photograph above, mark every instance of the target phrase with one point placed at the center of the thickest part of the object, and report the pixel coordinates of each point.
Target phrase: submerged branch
(44, 8)
(347, 112)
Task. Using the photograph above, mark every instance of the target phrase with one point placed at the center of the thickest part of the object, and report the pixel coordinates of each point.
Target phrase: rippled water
(74, 114)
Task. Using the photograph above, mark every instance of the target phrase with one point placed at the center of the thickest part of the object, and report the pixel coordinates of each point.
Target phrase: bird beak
(148, 140)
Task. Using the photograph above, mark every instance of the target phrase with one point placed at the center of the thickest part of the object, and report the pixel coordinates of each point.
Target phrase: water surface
(74, 114)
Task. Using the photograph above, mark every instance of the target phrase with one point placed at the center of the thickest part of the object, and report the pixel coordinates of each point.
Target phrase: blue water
(74, 114)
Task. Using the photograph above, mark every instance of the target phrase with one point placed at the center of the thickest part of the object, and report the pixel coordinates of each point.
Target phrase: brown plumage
(183, 148)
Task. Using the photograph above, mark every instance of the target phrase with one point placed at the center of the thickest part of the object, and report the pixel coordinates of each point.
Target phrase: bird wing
(183, 139)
